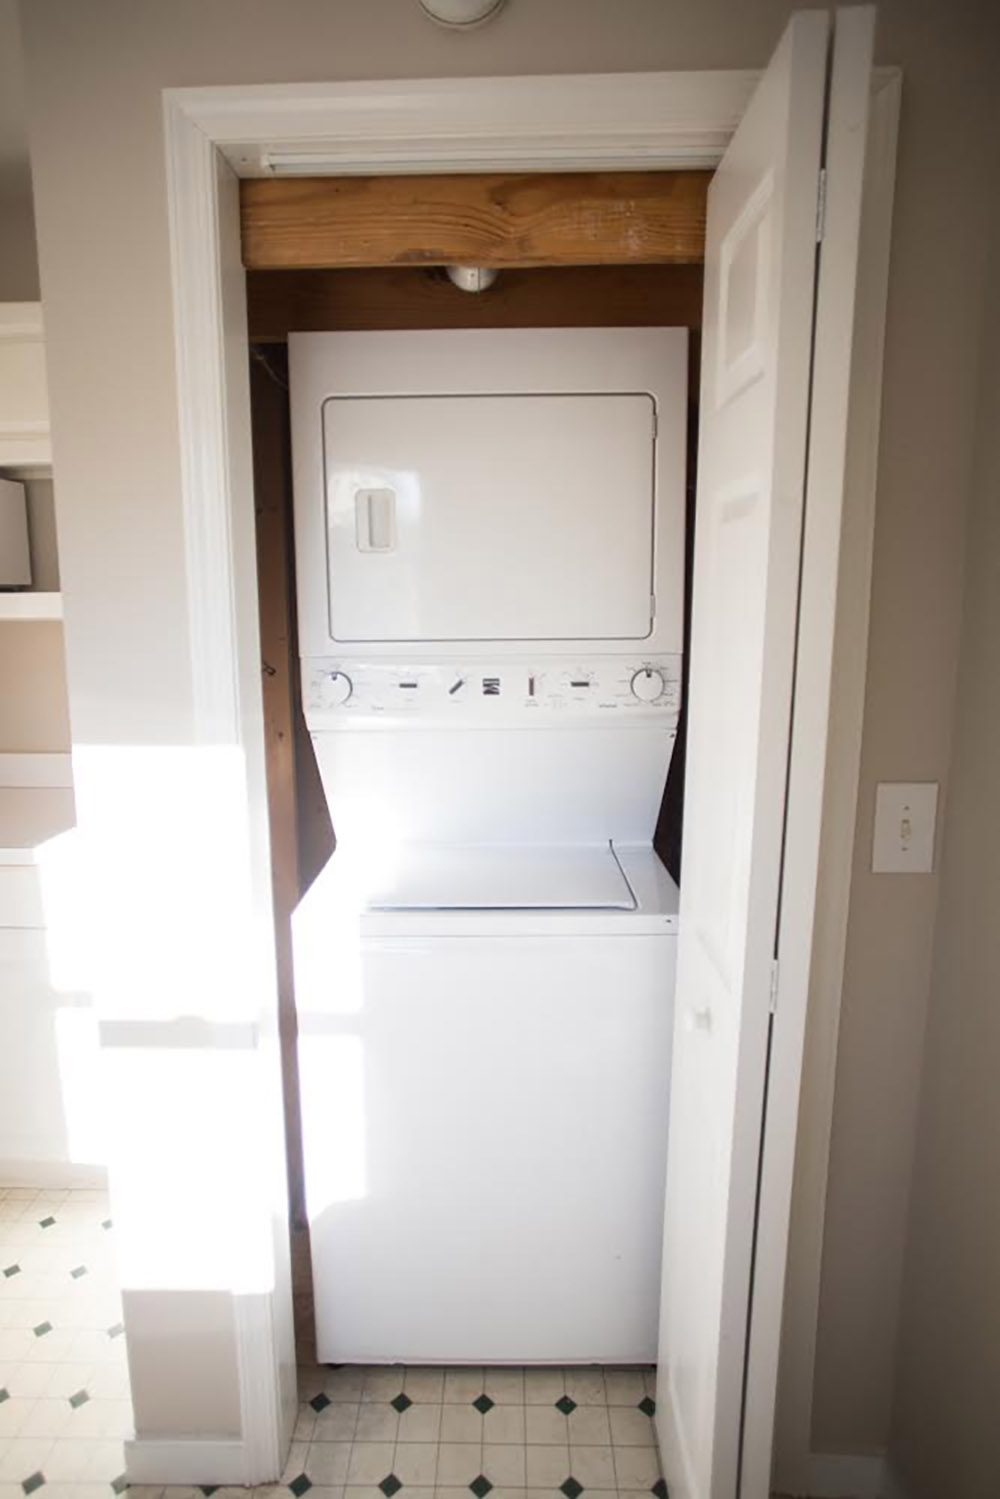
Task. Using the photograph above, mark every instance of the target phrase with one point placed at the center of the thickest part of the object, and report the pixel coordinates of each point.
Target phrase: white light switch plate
(905, 813)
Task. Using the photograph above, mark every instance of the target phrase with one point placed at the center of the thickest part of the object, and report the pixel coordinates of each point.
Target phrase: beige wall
(95, 72)
(948, 1365)
(938, 280)
(33, 713)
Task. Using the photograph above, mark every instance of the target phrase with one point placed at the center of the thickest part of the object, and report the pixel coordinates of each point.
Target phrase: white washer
(485, 1096)
(489, 544)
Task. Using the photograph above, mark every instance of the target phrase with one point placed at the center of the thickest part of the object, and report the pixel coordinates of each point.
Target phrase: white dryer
(489, 538)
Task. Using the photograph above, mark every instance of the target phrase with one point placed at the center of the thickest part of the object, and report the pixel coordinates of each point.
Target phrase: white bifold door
(766, 244)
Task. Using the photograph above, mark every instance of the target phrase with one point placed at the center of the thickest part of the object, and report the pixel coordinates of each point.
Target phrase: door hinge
(821, 206)
(772, 1003)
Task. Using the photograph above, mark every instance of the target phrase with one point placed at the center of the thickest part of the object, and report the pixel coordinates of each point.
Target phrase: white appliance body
(485, 1098)
(15, 557)
(489, 542)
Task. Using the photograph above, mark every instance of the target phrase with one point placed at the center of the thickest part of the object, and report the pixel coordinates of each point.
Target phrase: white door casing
(518, 124)
(760, 267)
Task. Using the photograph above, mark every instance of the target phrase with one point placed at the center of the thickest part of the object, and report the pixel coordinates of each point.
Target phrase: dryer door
(490, 517)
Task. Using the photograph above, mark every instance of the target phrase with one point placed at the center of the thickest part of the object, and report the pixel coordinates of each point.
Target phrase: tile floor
(64, 1394)
(361, 1433)
(443, 1433)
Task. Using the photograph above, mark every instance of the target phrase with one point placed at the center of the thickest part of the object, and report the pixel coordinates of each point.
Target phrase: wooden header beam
(493, 219)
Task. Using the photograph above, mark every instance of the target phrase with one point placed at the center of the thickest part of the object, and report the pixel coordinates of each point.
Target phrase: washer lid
(514, 878)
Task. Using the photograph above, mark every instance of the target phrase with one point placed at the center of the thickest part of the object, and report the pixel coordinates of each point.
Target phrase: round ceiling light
(474, 278)
(461, 14)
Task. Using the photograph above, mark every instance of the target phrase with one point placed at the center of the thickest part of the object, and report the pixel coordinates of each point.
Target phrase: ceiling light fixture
(461, 14)
(471, 277)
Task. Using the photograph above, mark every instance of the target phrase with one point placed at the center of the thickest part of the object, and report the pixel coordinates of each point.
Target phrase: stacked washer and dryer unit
(489, 542)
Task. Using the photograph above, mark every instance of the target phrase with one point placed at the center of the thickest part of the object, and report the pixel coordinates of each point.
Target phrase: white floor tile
(585, 1386)
(505, 1386)
(370, 1462)
(547, 1467)
(589, 1426)
(630, 1428)
(14, 1413)
(461, 1423)
(624, 1386)
(636, 1467)
(420, 1423)
(48, 1418)
(344, 1384)
(593, 1466)
(327, 1463)
(506, 1424)
(458, 1463)
(376, 1423)
(545, 1425)
(383, 1384)
(543, 1386)
(424, 1386)
(295, 1461)
(22, 1456)
(462, 1385)
(504, 1465)
(335, 1423)
(415, 1463)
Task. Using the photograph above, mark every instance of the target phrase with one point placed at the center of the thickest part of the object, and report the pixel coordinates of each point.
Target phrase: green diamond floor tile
(320, 1402)
(390, 1485)
(300, 1485)
(647, 1406)
(571, 1488)
(401, 1403)
(480, 1486)
(34, 1482)
(483, 1403)
(566, 1405)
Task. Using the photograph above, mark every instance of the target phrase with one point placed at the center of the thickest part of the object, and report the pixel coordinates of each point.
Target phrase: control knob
(338, 688)
(647, 684)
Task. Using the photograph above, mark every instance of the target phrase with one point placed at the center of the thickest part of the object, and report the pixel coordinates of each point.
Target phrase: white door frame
(651, 120)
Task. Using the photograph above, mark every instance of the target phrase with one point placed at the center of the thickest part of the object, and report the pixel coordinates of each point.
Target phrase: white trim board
(219, 1461)
(32, 603)
(52, 1176)
(214, 135)
(36, 769)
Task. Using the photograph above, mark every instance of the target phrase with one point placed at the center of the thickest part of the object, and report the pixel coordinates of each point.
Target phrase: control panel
(479, 693)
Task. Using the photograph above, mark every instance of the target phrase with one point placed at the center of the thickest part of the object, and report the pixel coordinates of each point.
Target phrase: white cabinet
(24, 393)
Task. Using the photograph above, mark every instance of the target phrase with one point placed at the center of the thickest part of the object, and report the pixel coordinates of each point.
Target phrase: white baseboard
(837, 1475)
(52, 1176)
(197, 1460)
